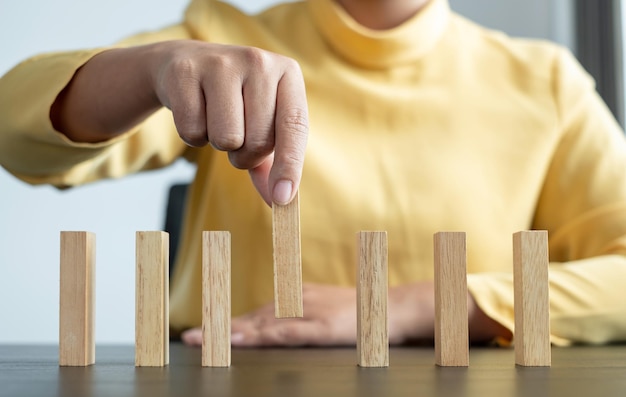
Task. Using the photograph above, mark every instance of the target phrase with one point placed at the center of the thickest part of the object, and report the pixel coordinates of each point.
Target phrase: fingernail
(282, 192)
(236, 337)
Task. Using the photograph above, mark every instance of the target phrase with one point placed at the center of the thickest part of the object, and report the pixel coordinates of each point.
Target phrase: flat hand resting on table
(330, 320)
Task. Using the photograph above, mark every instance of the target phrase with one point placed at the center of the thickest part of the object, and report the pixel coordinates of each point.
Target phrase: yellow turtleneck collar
(380, 48)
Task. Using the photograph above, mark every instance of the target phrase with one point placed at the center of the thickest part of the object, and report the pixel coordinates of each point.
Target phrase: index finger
(291, 130)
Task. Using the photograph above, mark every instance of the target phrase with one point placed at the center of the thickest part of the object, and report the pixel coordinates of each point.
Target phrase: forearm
(483, 328)
(108, 95)
(412, 316)
(586, 299)
(206, 86)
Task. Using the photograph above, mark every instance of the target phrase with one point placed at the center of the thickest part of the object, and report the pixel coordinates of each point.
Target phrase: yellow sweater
(437, 125)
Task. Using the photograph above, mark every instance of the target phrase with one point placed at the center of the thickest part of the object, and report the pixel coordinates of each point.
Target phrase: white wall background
(32, 217)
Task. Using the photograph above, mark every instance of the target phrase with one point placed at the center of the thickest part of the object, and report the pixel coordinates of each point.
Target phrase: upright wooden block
(451, 323)
(287, 259)
(77, 299)
(216, 311)
(372, 341)
(531, 299)
(152, 299)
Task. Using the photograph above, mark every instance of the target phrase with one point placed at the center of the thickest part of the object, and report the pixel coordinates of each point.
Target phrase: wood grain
(451, 322)
(216, 299)
(152, 299)
(77, 299)
(579, 371)
(372, 288)
(531, 299)
(287, 259)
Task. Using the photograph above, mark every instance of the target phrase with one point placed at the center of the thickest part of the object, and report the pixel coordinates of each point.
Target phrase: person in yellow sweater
(394, 115)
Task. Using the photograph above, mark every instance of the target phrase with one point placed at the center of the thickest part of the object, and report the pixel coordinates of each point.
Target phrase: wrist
(483, 328)
(411, 312)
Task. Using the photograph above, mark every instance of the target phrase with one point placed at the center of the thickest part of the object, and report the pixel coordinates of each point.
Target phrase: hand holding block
(531, 300)
(77, 299)
(216, 309)
(152, 299)
(287, 259)
(372, 343)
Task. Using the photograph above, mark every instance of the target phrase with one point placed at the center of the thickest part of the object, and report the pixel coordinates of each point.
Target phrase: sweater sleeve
(32, 150)
(583, 207)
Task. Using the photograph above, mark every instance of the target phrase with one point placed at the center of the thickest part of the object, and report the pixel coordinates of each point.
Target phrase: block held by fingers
(287, 259)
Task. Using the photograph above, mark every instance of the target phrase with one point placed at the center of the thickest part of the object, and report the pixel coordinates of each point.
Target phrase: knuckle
(238, 161)
(194, 139)
(227, 142)
(189, 130)
(241, 161)
(286, 334)
(183, 67)
(289, 161)
(259, 321)
(223, 63)
(269, 337)
(289, 334)
(257, 58)
(295, 121)
(291, 66)
(251, 154)
(257, 149)
(178, 79)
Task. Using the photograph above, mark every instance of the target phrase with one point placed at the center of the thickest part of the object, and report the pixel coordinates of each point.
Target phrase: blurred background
(32, 217)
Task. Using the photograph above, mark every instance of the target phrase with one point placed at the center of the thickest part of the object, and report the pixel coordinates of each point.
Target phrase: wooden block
(531, 299)
(216, 311)
(287, 259)
(77, 345)
(451, 323)
(372, 342)
(152, 299)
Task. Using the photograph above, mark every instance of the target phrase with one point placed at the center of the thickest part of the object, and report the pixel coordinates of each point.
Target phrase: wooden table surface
(576, 371)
